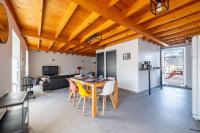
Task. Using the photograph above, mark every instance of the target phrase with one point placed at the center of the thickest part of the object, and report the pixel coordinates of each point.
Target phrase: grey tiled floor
(166, 111)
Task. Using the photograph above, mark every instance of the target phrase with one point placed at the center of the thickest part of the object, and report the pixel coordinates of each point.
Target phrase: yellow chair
(83, 95)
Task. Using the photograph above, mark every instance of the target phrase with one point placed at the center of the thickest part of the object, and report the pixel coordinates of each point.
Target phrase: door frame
(106, 61)
(184, 65)
(103, 64)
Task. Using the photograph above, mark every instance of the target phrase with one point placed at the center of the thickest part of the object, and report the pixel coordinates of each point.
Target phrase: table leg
(116, 96)
(94, 101)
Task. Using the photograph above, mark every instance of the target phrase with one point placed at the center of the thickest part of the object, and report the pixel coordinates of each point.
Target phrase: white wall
(66, 63)
(148, 50)
(188, 50)
(128, 75)
(6, 55)
(127, 70)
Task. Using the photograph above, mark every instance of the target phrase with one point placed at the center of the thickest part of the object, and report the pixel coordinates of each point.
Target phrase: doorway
(111, 64)
(100, 64)
(173, 64)
(15, 62)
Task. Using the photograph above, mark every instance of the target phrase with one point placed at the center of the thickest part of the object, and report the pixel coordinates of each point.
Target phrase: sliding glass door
(173, 66)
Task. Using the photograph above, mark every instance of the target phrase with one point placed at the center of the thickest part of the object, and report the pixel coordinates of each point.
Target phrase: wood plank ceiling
(65, 25)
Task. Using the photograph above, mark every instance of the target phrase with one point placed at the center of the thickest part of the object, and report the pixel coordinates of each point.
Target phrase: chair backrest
(111, 78)
(81, 89)
(108, 88)
(100, 76)
(72, 86)
(27, 82)
(90, 76)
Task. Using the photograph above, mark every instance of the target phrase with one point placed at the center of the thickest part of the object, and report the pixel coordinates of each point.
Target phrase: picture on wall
(126, 56)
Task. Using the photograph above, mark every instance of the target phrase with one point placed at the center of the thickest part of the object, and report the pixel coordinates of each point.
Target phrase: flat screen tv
(49, 70)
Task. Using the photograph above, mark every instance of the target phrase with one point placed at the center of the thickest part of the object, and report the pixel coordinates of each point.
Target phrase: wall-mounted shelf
(149, 76)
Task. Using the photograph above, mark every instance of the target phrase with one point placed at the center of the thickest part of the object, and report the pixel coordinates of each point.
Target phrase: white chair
(111, 78)
(100, 77)
(108, 90)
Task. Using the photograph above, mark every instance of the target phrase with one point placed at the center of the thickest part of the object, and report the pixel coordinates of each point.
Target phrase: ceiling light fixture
(159, 6)
(96, 36)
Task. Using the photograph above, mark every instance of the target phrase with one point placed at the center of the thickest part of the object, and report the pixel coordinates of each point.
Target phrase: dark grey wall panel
(100, 64)
(111, 65)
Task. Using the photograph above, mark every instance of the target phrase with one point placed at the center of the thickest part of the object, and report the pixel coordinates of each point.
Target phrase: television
(49, 70)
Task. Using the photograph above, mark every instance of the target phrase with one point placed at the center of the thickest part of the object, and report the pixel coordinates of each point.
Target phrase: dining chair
(111, 78)
(84, 94)
(108, 90)
(100, 77)
(73, 91)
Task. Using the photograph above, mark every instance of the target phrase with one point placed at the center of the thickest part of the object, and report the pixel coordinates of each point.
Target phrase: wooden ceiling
(65, 25)
(3, 25)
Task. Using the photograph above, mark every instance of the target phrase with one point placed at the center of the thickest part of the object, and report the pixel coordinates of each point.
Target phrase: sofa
(56, 82)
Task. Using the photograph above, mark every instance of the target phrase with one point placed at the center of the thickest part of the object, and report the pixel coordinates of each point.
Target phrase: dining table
(95, 83)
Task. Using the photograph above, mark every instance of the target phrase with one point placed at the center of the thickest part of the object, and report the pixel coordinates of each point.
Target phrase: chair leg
(104, 105)
(74, 98)
(83, 112)
(112, 100)
(78, 102)
(70, 95)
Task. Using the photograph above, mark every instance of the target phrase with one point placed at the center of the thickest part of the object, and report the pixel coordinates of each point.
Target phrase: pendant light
(159, 6)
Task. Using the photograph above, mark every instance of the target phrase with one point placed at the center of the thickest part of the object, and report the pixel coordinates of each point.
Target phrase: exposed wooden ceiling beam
(194, 8)
(77, 49)
(117, 37)
(110, 33)
(175, 39)
(132, 37)
(9, 5)
(192, 25)
(61, 46)
(184, 36)
(40, 16)
(88, 52)
(51, 38)
(176, 23)
(112, 2)
(135, 7)
(39, 49)
(84, 50)
(10, 8)
(69, 11)
(100, 28)
(194, 30)
(83, 25)
(116, 15)
(176, 42)
(40, 19)
(2, 27)
(159, 34)
(51, 44)
(173, 4)
(39, 43)
(47, 37)
(65, 49)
